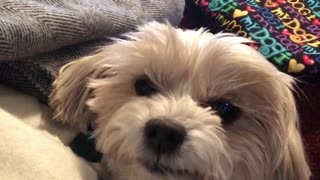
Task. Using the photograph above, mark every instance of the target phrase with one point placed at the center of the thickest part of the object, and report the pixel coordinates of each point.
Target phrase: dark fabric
(286, 32)
(308, 97)
(84, 146)
(37, 37)
(308, 106)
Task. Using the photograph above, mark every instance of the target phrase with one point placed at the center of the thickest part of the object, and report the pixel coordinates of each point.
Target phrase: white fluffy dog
(186, 105)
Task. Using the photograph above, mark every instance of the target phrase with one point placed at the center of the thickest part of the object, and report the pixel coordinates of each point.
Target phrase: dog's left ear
(293, 164)
(71, 92)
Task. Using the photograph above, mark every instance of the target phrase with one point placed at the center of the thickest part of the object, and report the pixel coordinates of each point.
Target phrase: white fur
(188, 67)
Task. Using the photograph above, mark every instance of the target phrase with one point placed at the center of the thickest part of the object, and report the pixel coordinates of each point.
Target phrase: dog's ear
(293, 164)
(71, 92)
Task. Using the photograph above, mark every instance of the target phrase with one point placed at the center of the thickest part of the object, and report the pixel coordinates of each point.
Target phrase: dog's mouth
(164, 170)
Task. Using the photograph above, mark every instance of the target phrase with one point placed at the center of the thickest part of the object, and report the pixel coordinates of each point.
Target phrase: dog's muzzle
(163, 136)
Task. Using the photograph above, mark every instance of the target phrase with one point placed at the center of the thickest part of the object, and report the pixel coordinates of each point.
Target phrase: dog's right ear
(71, 92)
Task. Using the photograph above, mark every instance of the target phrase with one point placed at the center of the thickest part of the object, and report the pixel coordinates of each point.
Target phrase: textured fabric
(37, 37)
(287, 32)
(308, 106)
(35, 75)
(308, 97)
(29, 154)
(32, 146)
(35, 26)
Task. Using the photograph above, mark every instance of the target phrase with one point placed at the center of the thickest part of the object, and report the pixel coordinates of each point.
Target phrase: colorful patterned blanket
(287, 32)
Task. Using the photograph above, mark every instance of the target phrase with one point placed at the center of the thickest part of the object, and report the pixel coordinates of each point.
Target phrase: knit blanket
(37, 37)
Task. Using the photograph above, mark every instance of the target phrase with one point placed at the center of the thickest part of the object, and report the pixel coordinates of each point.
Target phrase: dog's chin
(144, 170)
(161, 170)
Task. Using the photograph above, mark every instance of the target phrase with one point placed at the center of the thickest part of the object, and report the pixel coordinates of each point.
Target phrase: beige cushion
(31, 146)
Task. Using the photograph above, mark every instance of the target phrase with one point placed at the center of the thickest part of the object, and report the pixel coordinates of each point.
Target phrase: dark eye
(144, 87)
(227, 111)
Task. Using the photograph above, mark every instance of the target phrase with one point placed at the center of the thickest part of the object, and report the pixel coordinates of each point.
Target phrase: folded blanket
(34, 156)
(37, 37)
(32, 146)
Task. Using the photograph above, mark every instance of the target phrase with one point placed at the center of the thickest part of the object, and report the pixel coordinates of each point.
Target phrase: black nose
(164, 136)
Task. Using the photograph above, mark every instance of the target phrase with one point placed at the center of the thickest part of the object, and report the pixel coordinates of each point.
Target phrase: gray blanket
(37, 37)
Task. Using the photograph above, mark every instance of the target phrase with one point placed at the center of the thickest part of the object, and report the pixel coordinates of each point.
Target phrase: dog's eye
(144, 87)
(227, 111)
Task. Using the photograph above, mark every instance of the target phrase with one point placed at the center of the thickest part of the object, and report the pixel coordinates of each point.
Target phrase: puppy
(186, 105)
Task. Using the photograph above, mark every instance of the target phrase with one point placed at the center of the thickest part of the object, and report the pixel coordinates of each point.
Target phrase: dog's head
(174, 104)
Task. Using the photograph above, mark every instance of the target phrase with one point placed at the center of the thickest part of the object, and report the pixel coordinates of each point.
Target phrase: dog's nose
(164, 136)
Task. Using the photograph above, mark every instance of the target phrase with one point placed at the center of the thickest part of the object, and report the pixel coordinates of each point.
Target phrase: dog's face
(175, 104)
